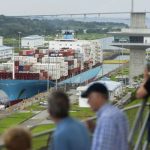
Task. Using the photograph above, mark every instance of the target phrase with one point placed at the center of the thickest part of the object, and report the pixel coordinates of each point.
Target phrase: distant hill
(10, 26)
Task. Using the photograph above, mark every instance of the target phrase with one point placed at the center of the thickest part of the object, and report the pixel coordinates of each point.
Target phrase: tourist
(144, 91)
(18, 139)
(70, 134)
(111, 129)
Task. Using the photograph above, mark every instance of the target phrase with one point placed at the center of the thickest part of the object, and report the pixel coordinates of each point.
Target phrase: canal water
(106, 68)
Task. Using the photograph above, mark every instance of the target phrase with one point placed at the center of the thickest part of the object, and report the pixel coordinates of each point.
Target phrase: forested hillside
(10, 26)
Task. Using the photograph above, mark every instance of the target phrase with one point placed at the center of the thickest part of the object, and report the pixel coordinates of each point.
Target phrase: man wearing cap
(111, 130)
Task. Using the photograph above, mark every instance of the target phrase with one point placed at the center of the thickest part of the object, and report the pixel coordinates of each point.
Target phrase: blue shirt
(111, 131)
(70, 135)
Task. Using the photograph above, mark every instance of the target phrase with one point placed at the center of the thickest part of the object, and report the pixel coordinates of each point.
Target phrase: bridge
(78, 14)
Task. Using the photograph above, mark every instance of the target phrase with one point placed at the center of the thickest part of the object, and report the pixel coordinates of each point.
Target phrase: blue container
(21, 68)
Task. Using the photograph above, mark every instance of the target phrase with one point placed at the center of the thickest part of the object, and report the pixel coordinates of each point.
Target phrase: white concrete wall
(32, 43)
(5, 53)
(56, 45)
(83, 102)
(1, 41)
(146, 39)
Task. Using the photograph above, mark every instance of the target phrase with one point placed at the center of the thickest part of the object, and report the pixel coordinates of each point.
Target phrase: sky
(43, 7)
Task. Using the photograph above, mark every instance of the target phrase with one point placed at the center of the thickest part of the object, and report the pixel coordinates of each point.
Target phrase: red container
(41, 71)
(16, 63)
(2, 71)
(27, 52)
(41, 55)
(45, 73)
(37, 51)
(70, 62)
(21, 53)
(27, 68)
(16, 68)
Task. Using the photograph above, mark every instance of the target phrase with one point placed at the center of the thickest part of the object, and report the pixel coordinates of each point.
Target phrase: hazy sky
(31, 7)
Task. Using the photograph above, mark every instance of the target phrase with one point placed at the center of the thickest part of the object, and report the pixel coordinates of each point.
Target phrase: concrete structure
(32, 41)
(115, 90)
(6, 52)
(1, 41)
(135, 38)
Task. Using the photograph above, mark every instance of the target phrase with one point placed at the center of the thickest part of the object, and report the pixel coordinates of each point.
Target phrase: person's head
(147, 71)
(58, 105)
(18, 139)
(97, 95)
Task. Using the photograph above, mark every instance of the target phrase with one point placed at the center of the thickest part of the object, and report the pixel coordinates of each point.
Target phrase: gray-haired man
(70, 134)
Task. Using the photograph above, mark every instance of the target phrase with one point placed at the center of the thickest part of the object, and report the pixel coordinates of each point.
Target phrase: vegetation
(115, 61)
(90, 36)
(10, 26)
(35, 107)
(14, 120)
(80, 113)
(123, 71)
(42, 128)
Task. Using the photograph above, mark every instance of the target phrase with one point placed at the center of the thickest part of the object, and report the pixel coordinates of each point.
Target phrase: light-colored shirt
(111, 131)
(70, 134)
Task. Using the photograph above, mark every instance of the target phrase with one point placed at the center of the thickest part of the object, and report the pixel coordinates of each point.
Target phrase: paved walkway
(40, 118)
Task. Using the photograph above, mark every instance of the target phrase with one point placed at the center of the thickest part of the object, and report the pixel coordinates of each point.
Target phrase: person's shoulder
(78, 123)
(114, 112)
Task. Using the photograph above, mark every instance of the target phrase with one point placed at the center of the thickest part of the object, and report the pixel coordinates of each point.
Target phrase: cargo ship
(66, 61)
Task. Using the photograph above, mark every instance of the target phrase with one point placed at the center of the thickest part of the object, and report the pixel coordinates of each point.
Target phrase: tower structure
(136, 38)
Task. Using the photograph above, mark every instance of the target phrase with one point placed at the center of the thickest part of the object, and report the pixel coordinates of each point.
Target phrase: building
(137, 40)
(1, 41)
(32, 41)
(114, 88)
(5, 52)
(89, 49)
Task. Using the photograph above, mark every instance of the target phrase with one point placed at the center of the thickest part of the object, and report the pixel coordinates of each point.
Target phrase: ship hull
(22, 89)
(16, 90)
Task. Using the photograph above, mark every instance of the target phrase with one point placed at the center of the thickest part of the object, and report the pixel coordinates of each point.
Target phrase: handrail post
(141, 134)
(137, 120)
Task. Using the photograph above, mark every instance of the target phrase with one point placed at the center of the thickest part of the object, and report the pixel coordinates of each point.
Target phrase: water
(106, 68)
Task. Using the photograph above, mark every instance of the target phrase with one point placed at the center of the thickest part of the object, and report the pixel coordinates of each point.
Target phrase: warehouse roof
(4, 48)
(111, 85)
(31, 37)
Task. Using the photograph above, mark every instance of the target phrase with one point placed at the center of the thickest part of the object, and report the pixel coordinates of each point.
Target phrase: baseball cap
(95, 87)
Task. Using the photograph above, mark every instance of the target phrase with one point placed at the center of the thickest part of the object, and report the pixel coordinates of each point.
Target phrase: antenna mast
(132, 5)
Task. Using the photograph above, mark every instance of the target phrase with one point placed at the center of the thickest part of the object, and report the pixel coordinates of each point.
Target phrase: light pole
(48, 76)
(19, 35)
(13, 59)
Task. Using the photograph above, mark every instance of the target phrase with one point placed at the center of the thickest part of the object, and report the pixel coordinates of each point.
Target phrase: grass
(80, 113)
(40, 142)
(42, 128)
(35, 107)
(131, 114)
(76, 112)
(86, 36)
(90, 36)
(14, 120)
(124, 71)
(115, 61)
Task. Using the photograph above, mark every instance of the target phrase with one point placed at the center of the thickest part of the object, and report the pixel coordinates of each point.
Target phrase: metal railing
(41, 140)
(137, 137)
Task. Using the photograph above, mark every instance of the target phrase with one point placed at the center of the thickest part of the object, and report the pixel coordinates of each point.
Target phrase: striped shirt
(111, 132)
